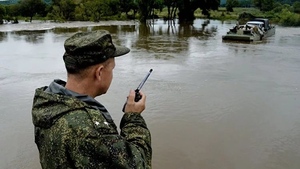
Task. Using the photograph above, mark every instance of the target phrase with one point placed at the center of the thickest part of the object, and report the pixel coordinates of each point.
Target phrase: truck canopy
(265, 21)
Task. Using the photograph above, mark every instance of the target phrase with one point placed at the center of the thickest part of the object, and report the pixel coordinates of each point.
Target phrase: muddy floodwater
(210, 104)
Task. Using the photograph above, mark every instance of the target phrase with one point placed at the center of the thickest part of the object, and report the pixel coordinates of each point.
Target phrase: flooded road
(210, 104)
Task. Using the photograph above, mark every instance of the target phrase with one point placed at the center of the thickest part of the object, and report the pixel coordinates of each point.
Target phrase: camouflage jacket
(70, 133)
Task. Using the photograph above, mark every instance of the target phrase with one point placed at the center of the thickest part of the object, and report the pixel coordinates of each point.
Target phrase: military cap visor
(120, 50)
(89, 48)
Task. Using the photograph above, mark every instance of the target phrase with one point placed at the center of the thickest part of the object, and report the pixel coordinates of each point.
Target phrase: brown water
(210, 104)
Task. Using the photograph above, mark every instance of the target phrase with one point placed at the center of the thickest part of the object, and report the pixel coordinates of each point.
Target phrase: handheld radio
(137, 90)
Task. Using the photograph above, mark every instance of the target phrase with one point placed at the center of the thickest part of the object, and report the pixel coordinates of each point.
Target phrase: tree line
(249, 3)
(96, 10)
(264, 5)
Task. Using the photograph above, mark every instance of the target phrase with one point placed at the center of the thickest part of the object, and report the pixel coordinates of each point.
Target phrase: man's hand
(136, 107)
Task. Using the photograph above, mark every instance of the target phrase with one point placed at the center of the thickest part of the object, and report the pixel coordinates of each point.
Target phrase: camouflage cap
(89, 48)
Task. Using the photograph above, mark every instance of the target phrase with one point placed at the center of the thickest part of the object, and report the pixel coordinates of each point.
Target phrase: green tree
(31, 7)
(258, 3)
(12, 11)
(188, 7)
(145, 8)
(288, 18)
(264, 5)
(287, 7)
(128, 5)
(230, 4)
(111, 7)
(158, 4)
(296, 7)
(172, 8)
(245, 3)
(290, 2)
(206, 6)
(67, 8)
(277, 7)
(268, 5)
(2, 13)
(81, 11)
(94, 10)
(62, 10)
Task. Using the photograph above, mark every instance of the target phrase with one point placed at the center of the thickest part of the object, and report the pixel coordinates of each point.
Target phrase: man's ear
(99, 72)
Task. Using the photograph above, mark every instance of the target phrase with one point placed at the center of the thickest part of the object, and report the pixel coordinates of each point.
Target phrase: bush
(288, 7)
(296, 7)
(277, 7)
(230, 4)
(287, 18)
(2, 13)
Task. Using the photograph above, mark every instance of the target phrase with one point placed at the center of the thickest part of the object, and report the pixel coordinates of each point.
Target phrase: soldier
(72, 129)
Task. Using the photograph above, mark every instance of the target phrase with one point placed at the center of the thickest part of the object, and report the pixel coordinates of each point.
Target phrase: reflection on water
(210, 103)
(3, 36)
(161, 38)
(29, 36)
(69, 30)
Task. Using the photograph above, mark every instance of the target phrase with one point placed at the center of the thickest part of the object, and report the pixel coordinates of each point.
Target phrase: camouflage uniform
(70, 133)
(76, 131)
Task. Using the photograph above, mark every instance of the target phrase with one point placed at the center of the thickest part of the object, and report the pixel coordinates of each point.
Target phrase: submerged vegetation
(284, 12)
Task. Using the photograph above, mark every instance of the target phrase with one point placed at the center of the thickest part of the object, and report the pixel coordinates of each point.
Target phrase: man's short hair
(85, 49)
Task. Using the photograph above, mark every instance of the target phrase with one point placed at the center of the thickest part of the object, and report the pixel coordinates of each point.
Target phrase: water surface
(210, 104)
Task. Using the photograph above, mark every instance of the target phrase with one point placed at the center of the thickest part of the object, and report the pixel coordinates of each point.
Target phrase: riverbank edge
(50, 25)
